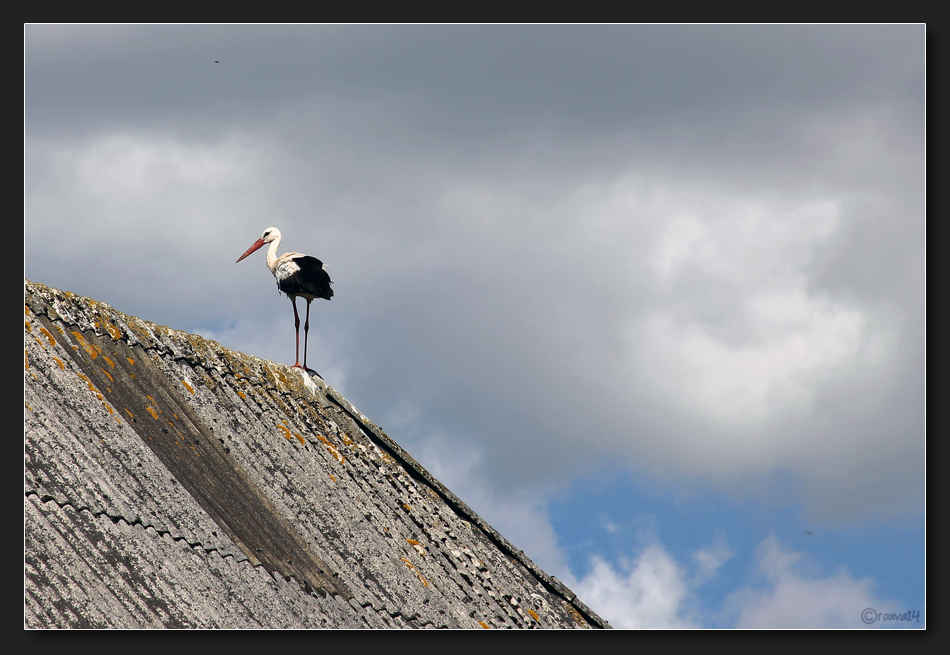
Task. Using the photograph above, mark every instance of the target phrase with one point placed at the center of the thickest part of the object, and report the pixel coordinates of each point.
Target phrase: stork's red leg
(293, 300)
(306, 333)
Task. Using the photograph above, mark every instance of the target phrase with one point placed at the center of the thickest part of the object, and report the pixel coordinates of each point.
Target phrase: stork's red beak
(257, 244)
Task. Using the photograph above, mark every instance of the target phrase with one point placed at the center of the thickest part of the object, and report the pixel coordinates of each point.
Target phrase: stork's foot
(307, 369)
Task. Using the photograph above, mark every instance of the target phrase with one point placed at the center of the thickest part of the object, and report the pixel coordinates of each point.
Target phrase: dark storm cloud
(468, 79)
(693, 248)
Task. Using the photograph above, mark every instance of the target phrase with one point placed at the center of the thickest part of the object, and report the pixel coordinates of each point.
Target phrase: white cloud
(709, 560)
(795, 343)
(655, 591)
(649, 593)
(794, 595)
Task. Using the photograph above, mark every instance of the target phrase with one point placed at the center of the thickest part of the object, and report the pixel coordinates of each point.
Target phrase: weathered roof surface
(171, 482)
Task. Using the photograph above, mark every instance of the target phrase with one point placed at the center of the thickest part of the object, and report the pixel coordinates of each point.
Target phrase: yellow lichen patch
(88, 347)
(533, 615)
(109, 408)
(60, 362)
(29, 328)
(107, 374)
(303, 442)
(574, 613)
(49, 336)
(27, 310)
(131, 361)
(333, 451)
(188, 386)
(417, 547)
(113, 330)
(111, 363)
(152, 412)
(425, 583)
(26, 359)
(130, 414)
(243, 397)
(331, 476)
(286, 431)
(406, 507)
(484, 625)
(31, 409)
(90, 385)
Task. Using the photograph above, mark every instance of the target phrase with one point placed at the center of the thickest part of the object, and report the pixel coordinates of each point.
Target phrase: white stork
(297, 275)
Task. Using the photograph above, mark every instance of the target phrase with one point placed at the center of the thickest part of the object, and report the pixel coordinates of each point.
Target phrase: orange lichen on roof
(188, 386)
(113, 330)
(90, 385)
(286, 431)
(131, 361)
(152, 412)
(425, 583)
(49, 336)
(533, 615)
(88, 347)
(111, 363)
(60, 362)
(333, 451)
(484, 625)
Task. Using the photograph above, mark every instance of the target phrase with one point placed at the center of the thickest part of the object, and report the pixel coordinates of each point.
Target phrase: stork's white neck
(272, 254)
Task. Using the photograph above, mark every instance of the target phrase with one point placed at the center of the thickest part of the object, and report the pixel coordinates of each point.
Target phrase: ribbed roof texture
(174, 483)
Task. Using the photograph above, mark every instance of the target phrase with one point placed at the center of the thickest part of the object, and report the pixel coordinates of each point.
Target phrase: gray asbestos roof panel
(170, 482)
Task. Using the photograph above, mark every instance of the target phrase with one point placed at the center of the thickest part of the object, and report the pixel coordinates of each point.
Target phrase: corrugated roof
(171, 482)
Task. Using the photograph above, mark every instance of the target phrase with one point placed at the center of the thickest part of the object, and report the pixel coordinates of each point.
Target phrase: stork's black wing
(311, 280)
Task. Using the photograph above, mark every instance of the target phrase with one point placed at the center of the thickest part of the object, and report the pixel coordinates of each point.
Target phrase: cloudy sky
(649, 298)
